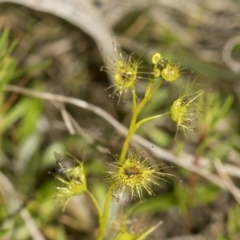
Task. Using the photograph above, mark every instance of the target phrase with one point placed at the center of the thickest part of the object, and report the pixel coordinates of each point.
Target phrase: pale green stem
(138, 124)
(148, 88)
(149, 231)
(95, 202)
(134, 99)
(132, 127)
(104, 217)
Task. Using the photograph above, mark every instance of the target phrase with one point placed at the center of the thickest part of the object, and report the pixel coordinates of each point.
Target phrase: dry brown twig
(74, 128)
(66, 118)
(185, 161)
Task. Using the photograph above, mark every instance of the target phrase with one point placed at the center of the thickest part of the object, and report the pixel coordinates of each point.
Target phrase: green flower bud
(170, 72)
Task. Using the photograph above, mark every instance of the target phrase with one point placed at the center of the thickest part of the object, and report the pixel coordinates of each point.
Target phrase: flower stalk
(138, 124)
(96, 205)
(130, 171)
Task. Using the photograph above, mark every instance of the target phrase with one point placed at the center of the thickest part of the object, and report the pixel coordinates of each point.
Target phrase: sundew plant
(133, 175)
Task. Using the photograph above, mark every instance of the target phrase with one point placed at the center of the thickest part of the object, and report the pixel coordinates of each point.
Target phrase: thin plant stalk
(138, 124)
(104, 216)
(95, 202)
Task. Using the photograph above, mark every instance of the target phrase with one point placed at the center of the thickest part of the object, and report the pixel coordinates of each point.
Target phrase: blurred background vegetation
(56, 47)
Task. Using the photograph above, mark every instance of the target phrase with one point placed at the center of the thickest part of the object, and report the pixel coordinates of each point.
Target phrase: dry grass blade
(10, 193)
(227, 54)
(66, 119)
(227, 180)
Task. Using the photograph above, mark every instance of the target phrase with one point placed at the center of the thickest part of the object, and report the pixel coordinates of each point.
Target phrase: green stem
(95, 202)
(138, 124)
(132, 127)
(148, 88)
(131, 131)
(149, 231)
(104, 217)
(134, 100)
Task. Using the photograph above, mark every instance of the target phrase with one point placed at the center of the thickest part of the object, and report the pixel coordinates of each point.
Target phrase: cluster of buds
(163, 68)
(125, 70)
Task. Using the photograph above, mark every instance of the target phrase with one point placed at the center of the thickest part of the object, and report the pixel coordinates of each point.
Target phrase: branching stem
(132, 127)
(138, 124)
